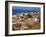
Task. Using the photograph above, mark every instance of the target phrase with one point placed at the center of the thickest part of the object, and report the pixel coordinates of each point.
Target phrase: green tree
(23, 14)
(29, 15)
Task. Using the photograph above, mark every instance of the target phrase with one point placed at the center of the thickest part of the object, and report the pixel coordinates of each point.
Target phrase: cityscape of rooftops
(25, 18)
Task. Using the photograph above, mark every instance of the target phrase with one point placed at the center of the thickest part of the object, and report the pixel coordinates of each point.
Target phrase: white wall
(2, 17)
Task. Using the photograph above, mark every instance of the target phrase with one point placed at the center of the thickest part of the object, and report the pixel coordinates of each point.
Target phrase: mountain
(18, 9)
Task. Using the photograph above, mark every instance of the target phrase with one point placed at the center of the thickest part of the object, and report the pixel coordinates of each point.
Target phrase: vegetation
(29, 15)
(23, 14)
(18, 25)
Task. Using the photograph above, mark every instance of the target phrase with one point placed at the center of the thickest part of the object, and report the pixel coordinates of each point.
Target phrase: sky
(18, 9)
